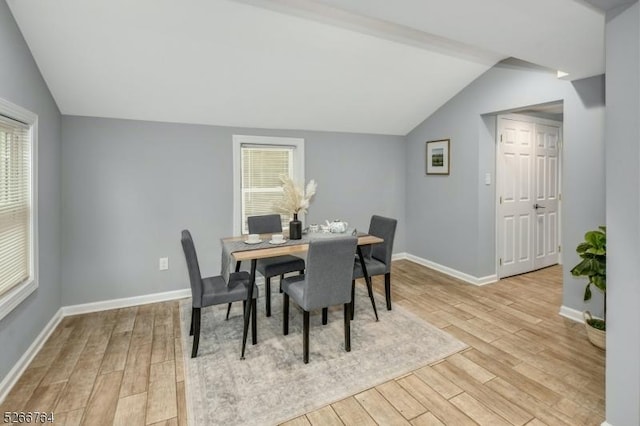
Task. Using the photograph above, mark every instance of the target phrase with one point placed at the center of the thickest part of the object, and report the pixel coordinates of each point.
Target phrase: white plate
(277, 242)
(252, 242)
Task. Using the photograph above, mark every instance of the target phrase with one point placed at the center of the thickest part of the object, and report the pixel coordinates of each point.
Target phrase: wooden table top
(262, 253)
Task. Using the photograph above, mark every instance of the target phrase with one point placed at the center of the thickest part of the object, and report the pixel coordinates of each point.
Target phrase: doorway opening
(528, 190)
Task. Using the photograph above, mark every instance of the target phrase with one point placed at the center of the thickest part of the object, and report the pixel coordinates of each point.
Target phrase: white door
(527, 169)
(546, 202)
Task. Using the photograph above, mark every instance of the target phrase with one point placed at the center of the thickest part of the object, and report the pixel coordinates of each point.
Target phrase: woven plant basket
(596, 337)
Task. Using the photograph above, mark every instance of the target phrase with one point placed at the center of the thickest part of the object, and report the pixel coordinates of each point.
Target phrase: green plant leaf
(597, 251)
(599, 282)
(583, 247)
(597, 239)
(587, 267)
(587, 292)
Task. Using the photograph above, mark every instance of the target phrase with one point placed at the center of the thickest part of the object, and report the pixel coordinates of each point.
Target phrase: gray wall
(451, 219)
(129, 187)
(21, 83)
(623, 216)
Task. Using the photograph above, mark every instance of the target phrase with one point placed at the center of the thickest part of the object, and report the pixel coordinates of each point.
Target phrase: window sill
(9, 301)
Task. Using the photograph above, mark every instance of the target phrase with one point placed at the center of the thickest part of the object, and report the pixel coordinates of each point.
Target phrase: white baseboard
(489, 279)
(479, 281)
(399, 256)
(125, 302)
(571, 313)
(18, 369)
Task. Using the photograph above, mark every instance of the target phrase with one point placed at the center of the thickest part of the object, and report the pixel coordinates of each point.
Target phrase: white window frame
(238, 141)
(11, 299)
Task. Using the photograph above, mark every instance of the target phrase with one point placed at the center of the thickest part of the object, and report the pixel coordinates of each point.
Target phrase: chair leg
(192, 319)
(325, 311)
(347, 327)
(254, 321)
(196, 331)
(305, 336)
(373, 301)
(285, 314)
(387, 289)
(267, 295)
(281, 278)
(228, 310)
(353, 298)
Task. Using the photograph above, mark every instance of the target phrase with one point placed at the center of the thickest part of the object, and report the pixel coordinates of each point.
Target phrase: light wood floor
(525, 364)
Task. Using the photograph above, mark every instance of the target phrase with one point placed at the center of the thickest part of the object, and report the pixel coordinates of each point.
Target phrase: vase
(295, 228)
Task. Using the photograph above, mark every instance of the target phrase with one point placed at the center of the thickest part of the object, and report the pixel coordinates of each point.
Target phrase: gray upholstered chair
(325, 283)
(377, 258)
(214, 291)
(273, 266)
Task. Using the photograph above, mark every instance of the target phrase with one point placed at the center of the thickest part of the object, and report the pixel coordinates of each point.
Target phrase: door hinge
(500, 137)
(559, 249)
(500, 261)
(559, 197)
(501, 199)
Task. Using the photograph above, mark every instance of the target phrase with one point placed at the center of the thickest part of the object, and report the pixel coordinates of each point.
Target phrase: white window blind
(261, 169)
(15, 203)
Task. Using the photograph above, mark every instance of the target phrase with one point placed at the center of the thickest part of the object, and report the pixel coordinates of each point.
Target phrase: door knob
(538, 206)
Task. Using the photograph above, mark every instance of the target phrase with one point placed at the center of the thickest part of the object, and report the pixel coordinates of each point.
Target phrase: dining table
(238, 249)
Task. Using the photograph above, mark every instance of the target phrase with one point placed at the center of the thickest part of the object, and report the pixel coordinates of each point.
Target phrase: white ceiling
(369, 66)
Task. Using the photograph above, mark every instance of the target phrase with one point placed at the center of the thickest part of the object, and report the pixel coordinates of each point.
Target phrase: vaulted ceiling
(368, 66)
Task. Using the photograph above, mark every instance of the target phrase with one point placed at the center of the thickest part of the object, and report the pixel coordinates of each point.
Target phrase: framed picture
(438, 157)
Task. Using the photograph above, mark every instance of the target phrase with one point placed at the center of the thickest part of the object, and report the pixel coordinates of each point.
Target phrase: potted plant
(593, 252)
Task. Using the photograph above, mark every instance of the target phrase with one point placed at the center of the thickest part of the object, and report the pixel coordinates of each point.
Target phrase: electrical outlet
(164, 263)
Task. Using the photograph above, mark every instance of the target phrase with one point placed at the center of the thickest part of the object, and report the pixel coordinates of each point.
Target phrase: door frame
(497, 180)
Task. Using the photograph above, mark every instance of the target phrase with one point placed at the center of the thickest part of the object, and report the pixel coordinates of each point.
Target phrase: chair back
(265, 224)
(329, 272)
(194, 269)
(384, 228)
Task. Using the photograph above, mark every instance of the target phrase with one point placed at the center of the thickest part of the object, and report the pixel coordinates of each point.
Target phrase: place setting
(274, 239)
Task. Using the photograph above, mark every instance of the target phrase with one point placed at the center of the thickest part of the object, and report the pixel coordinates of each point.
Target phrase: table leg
(367, 279)
(247, 312)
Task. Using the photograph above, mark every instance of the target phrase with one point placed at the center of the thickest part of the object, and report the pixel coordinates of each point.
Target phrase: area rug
(273, 384)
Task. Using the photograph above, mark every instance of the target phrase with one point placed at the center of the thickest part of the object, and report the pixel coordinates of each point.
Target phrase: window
(258, 164)
(17, 207)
